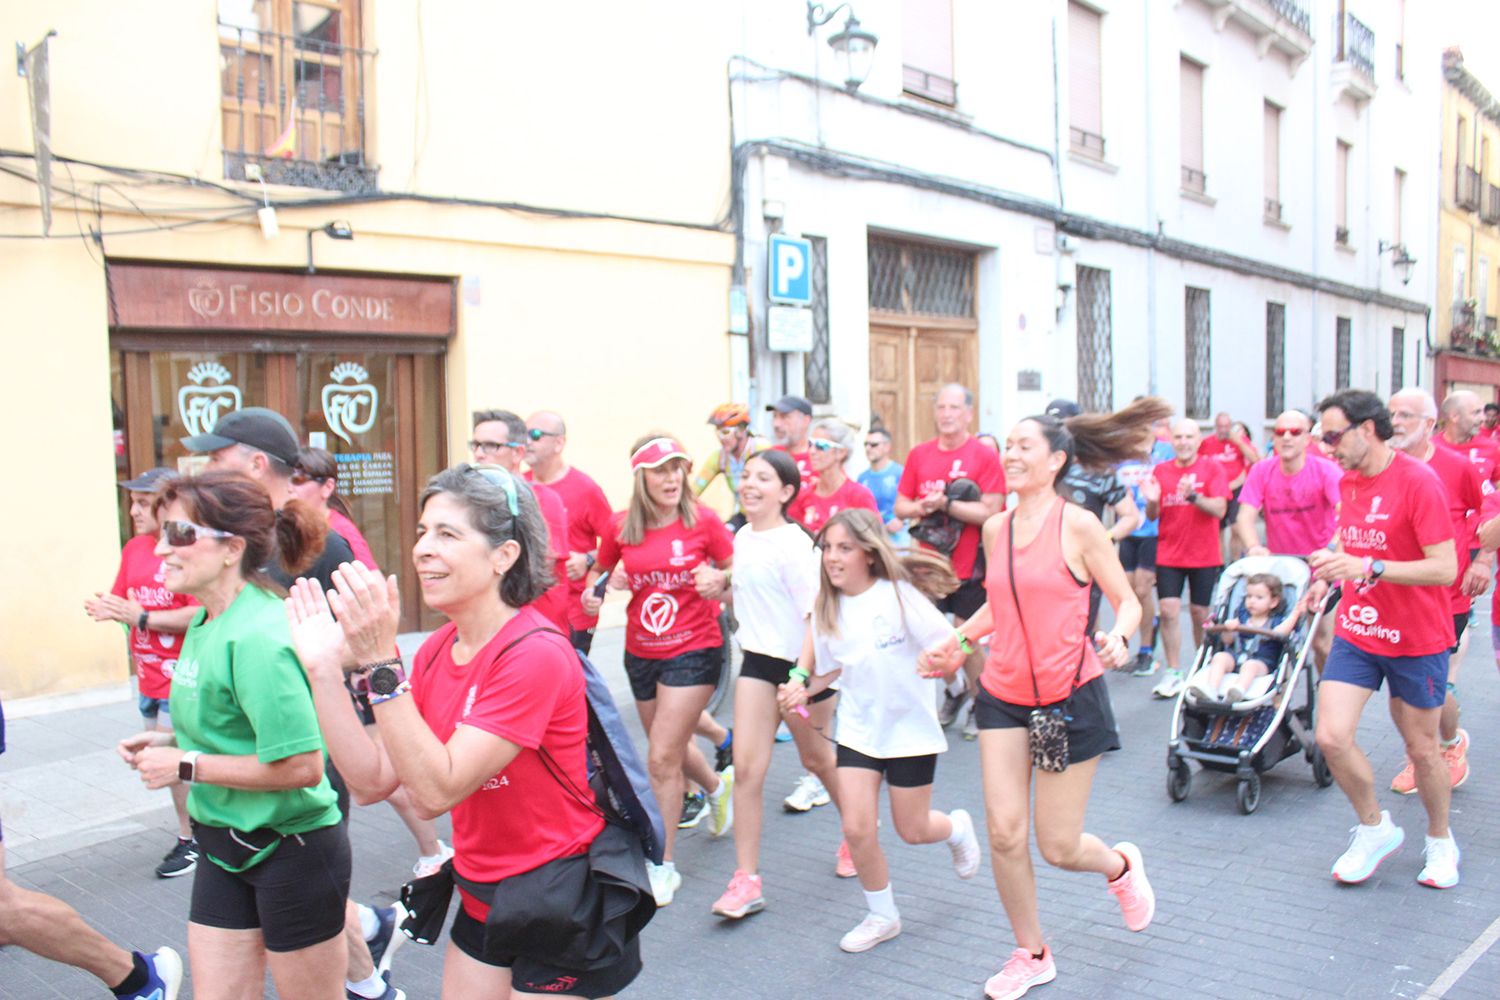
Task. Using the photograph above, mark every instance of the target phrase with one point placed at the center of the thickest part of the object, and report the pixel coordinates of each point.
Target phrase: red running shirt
(1189, 538)
(804, 468)
(1391, 517)
(553, 604)
(349, 532)
(1481, 450)
(1460, 481)
(154, 653)
(813, 511)
(1226, 453)
(1051, 639)
(589, 515)
(533, 696)
(666, 617)
(928, 468)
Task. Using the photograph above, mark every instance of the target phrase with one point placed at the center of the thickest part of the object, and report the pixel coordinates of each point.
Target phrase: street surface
(1245, 906)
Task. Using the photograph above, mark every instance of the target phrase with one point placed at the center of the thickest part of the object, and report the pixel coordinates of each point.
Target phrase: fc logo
(659, 613)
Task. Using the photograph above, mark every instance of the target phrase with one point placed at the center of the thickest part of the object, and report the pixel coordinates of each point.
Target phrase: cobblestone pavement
(1245, 907)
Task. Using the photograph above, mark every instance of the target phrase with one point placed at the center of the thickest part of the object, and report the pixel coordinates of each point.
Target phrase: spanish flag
(285, 146)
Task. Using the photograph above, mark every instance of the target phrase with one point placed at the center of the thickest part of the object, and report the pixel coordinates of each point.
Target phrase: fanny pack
(233, 850)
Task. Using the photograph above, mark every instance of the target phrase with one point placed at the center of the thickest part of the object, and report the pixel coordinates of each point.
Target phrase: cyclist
(736, 443)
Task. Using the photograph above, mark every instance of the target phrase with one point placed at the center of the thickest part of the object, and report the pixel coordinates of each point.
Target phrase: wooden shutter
(1273, 152)
(1341, 186)
(1085, 79)
(1398, 207)
(1192, 115)
(927, 36)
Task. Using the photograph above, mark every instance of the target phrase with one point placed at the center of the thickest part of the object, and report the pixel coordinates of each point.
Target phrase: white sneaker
(665, 881)
(1170, 685)
(1368, 847)
(871, 931)
(1234, 693)
(966, 851)
(808, 794)
(428, 864)
(1441, 869)
(1200, 688)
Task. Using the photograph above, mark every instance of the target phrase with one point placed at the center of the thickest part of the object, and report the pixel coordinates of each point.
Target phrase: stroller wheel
(1179, 780)
(1248, 794)
(1321, 774)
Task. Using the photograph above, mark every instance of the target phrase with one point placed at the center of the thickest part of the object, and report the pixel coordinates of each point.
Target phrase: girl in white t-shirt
(870, 622)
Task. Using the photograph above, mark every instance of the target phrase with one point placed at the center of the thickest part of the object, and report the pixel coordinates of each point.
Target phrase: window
(927, 50)
(1400, 40)
(1193, 178)
(1482, 290)
(1342, 348)
(1085, 82)
(1275, 358)
(816, 371)
(920, 278)
(1398, 358)
(1341, 194)
(1196, 355)
(1096, 388)
(292, 92)
(1273, 164)
(1398, 207)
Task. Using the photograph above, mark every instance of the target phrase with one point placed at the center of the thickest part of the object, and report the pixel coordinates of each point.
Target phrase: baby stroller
(1259, 730)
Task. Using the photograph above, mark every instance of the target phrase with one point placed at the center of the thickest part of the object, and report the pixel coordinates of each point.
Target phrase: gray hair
(836, 431)
(968, 395)
(514, 425)
(488, 492)
(1429, 405)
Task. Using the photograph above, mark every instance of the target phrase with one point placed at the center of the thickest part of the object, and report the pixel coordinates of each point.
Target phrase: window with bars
(1275, 359)
(817, 372)
(1398, 358)
(1096, 389)
(1343, 362)
(920, 279)
(1197, 393)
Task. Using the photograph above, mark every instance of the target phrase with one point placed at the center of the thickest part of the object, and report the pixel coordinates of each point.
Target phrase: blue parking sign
(790, 270)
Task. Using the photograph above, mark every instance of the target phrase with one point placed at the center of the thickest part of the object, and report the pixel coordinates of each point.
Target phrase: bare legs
(48, 927)
(669, 720)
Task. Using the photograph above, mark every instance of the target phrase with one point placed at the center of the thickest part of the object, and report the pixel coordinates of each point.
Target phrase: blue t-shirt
(1133, 473)
(883, 485)
(1259, 647)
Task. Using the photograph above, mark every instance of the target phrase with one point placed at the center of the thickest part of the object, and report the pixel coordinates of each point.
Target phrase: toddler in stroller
(1252, 642)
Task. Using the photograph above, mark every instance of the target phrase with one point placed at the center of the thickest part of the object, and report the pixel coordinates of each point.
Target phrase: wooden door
(908, 365)
(890, 369)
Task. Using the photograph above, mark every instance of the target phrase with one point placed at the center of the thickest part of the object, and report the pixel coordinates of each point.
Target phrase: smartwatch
(589, 559)
(386, 677)
(188, 765)
(1377, 568)
(1191, 498)
(140, 623)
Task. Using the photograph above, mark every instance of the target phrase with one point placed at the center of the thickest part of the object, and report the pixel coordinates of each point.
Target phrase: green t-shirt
(239, 689)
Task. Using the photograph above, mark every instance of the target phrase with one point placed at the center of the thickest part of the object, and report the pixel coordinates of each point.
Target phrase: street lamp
(855, 45)
(334, 231)
(1400, 259)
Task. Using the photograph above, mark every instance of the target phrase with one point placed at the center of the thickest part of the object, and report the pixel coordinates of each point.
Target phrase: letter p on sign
(791, 270)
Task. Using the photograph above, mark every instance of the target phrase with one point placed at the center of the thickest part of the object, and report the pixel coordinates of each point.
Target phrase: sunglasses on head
(493, 447)
(181, 534)
(1287, 432)
(536, 434)
(506, 482)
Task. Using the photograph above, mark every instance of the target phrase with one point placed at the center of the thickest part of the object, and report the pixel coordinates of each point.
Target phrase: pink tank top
(1056, 610)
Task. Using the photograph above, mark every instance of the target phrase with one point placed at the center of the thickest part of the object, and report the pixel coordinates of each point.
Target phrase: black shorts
(964, 601)
(1200, 581)
(1091, 719)
(1138, 553)
(530, 976)
(1460, 625)
(1231, 510)
(774, 670)
(690, 669)
(900, 772)
(582, 639)
(295, 897)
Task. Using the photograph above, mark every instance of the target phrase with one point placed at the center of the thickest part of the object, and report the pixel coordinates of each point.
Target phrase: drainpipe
(1153, 381)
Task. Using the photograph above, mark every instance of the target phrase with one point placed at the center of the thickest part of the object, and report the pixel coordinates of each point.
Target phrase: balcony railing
(1466, 193)
(1356, 45)
(930, 86)
(1194, 180)
(1490, 325)
(1463, 318)
(1341, 235)
(1490, 210)
(295, 105)
(1273, 210)
(1294, 11)
(1087, 143)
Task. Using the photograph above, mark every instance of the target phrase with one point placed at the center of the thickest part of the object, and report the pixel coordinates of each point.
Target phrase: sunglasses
(1288, 432)
(493, 447)
(822, 444)
(506, 482)
(300, 478)
(181, 534)
(874, 444)
(536, 434)
(1332, 438)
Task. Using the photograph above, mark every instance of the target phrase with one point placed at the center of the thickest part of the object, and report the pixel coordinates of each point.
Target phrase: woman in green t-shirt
(247, 742)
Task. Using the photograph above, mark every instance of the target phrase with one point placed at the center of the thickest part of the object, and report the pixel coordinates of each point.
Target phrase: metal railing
(1294, 11)
(1490, 324)
(1463, 317)
(1273, 210)
(1466, 188)
(1356, 45)
(920, 83)
(1086, 143)
(1490, 210)
(270, 78)
(1194, 180)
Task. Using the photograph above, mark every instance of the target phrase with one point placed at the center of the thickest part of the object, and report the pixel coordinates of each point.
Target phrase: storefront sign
(367, 473)
(159, 297)
(208, 398)
(349, 409)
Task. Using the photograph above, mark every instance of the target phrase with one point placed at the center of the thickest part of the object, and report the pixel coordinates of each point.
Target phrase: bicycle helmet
(730, 415)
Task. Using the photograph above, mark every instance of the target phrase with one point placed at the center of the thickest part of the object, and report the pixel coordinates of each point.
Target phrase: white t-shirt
(775, 580)
(885, 709)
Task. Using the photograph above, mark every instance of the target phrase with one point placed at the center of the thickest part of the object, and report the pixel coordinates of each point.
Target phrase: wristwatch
(1377, 568)
(1191, 498)
(187, 765)
(386, 677)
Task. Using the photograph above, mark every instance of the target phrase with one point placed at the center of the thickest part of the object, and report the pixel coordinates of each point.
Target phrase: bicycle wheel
(726, 669)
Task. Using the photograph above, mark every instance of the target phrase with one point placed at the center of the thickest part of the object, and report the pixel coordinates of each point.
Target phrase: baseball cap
(786, 404)
(657, 451)
(149, 481)
(1062, 409)
(260, 428)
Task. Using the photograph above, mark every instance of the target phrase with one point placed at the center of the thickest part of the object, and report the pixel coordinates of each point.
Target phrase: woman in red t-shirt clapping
(829, 443)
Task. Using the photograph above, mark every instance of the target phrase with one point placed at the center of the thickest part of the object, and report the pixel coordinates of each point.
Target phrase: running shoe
(694, 808)
(971, 722)
(1132, 889)
(966, 851)
(428, 864)
(742, 898)
(1170, 685)
(843, 865)
(949, 709)
(391, 993)
(181, 859)
(721, 804)
(1021, 973)
(388, 936)
(724, 755)
(808, 794)
(1405, 783)
(1145, 666)
(163, 976)
(1441, 869)
(1457, 759)
(665, 881)
(1368, 847)
(783, 734)
(871, 931)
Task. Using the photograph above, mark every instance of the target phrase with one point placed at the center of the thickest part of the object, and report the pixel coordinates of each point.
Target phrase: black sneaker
(694, 808)
(180, 860)
(949, 709)
(724, 755)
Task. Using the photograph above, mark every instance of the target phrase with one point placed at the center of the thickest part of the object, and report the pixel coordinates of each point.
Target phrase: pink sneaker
(742, 898)
(1021, 973)
(844, 867)
(1137, 901)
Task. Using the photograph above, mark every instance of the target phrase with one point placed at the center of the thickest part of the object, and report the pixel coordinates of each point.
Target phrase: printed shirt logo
(349, 409)
(1364, 620)
(659, 613)
(885, 636)
(185, 674)
(209, 397)
(1374, 514)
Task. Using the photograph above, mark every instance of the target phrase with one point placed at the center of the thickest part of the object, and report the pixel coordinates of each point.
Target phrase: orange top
(1056, 609)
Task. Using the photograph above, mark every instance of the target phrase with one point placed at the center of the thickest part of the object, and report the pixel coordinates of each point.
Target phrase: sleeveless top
(1056, 610)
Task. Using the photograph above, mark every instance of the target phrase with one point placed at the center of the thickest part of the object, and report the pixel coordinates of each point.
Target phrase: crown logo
(204, 371)
(348, 371)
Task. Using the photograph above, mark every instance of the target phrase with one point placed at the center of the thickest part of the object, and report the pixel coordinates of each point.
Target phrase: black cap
(255, 426)
(1062, 409)
(786, 404)
(149, 481)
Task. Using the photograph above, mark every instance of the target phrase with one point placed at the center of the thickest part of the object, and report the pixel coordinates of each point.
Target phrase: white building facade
(1225, 202)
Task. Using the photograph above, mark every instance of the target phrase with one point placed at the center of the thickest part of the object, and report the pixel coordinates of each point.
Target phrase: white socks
(372, 988)
(956, 837)
(369, 923)
(882, 903)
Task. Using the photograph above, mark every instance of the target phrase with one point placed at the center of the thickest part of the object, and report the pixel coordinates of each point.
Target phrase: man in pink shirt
(1296, 492)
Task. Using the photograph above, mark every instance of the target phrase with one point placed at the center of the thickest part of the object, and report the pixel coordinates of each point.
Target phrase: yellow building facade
(536, 209)
(1468, 253)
